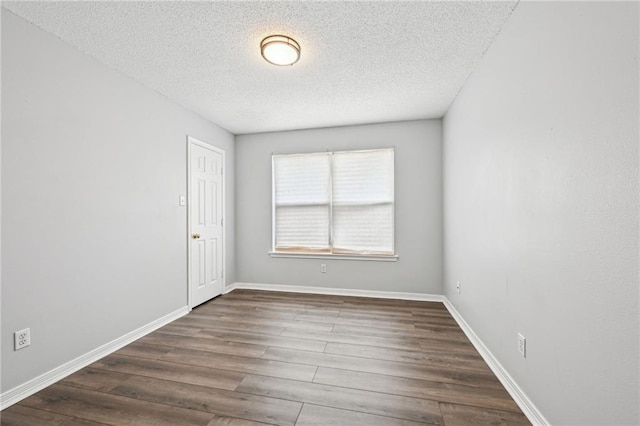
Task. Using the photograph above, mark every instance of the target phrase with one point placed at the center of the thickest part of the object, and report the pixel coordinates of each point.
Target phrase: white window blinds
(302, 201)
(340, 202)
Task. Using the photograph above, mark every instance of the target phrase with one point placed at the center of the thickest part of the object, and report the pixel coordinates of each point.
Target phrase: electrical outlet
(323, 268)
(22, 339)
(458, 287)
(522, 345)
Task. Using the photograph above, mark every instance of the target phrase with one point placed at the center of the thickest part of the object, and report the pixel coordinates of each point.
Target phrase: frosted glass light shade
(280, 50)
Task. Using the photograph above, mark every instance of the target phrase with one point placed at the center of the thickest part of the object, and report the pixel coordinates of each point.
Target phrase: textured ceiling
(362, 62)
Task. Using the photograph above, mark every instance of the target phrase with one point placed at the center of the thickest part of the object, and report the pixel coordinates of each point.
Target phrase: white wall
(541, 206)
(94, 242)
(418, 211)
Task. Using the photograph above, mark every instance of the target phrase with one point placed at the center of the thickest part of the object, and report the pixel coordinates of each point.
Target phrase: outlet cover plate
(522, 345)
(22, 339)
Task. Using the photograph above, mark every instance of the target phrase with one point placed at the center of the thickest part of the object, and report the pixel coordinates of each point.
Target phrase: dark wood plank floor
(251, 358)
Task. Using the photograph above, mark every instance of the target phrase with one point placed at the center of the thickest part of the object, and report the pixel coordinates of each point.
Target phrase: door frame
(191, 141)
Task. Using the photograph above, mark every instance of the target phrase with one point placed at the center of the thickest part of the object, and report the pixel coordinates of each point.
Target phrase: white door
(206, 223)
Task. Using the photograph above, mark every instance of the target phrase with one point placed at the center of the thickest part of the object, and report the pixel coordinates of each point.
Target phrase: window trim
(392, 257)
(336, 256)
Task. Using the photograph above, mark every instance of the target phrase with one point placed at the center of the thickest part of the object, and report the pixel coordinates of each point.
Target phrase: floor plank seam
(365, 412)
(299, 412)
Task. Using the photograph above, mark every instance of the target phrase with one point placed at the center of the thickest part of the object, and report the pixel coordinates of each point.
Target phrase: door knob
(195, 236)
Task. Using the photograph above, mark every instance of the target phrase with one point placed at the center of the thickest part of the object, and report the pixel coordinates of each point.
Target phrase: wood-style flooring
(253, 358)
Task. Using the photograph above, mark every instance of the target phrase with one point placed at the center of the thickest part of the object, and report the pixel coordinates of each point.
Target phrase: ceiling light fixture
(280, 50)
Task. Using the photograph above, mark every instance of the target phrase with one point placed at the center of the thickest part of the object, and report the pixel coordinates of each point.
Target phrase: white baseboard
(336, 291)
(24, 390)
(229, 288)
(526, 405)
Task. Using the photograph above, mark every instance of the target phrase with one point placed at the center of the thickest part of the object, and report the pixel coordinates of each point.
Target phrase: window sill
(367, 257)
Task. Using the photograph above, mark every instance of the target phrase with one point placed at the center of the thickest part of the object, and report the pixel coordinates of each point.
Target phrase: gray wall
(541, 206)
(418, 196)
(94, 242)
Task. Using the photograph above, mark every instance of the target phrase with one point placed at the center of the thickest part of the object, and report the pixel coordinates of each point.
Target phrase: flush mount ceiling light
(280, 50)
